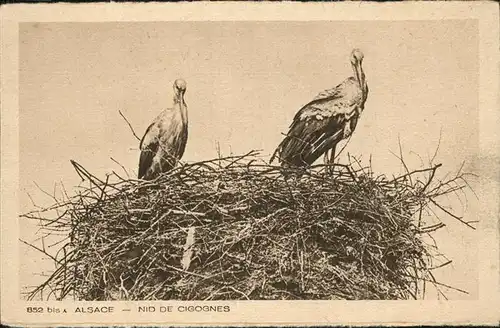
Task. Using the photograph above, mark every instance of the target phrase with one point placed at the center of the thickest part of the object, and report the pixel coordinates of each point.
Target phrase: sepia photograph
(219, 162)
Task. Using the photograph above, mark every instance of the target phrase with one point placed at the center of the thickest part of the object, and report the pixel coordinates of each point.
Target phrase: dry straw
(238, 228)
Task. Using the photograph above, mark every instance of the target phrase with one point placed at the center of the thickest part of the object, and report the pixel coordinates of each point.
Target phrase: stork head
(179, 87)
(356, 56)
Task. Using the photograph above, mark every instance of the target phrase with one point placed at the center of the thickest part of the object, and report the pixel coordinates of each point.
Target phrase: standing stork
(326, 120)
(164, 142)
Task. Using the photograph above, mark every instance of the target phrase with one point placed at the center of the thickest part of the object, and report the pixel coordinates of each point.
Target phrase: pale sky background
(245, 82)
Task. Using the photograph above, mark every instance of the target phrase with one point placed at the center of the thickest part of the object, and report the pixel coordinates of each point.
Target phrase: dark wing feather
(294, 142)
(148, 151)
(317, 126)
(309, 139)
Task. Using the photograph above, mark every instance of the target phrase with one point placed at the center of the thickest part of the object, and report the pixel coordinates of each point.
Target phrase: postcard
(240, 163)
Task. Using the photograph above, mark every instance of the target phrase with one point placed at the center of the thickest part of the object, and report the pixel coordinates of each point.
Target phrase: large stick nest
(237, 228)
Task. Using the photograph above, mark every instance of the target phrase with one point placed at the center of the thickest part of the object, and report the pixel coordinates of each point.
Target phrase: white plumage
(164, 142)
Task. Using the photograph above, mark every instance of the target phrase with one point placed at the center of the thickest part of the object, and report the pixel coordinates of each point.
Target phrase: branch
(451, 214)
(129, 125)
(433, 172)
(416, 171)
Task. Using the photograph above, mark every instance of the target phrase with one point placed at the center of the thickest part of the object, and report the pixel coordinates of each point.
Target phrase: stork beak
(358, 70)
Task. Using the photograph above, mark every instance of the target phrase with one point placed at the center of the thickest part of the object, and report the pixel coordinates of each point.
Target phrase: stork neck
(182, 108)
(359, 75)
(357, 70)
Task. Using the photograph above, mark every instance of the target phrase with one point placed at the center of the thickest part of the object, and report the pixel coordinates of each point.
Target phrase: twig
(123, 167)
(437, 148)
(40, 250)
(429, 180)
(129, 125)
(451, 214)
(441, 265)
(415, 172)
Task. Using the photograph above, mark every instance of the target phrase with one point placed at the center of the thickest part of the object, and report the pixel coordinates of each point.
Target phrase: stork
(326, 120)
(164, 142)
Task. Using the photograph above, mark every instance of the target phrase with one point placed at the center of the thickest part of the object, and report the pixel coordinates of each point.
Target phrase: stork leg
(326, 158)
(332, 160)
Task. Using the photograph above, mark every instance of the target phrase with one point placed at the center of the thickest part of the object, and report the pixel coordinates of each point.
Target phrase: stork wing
(318, 125)
(322, 97)
(309, 138)
(149, 146)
